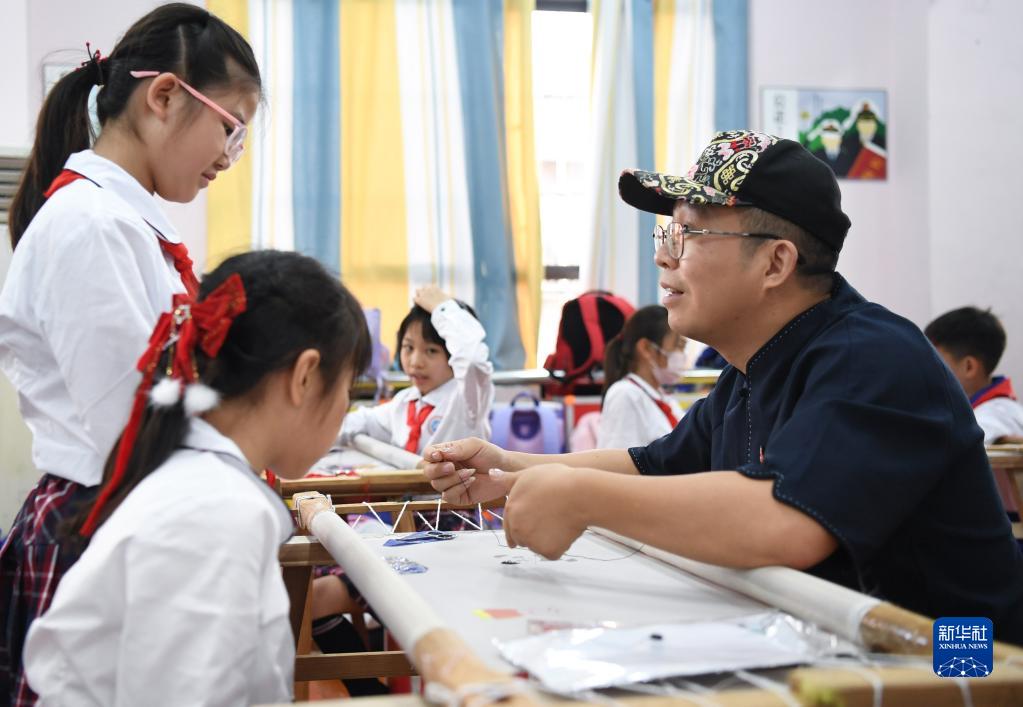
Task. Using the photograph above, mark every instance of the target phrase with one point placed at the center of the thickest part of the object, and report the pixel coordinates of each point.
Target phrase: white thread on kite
(370, 507)
(398, 519)
(478, 527)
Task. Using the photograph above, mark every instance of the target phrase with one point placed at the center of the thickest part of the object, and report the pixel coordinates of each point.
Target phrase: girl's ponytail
(62, 129)
(616, 362)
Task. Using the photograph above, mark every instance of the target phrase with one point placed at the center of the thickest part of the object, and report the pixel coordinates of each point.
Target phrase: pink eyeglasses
(235, 144)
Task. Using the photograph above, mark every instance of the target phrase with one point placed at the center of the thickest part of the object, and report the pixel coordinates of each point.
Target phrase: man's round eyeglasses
(673, 237)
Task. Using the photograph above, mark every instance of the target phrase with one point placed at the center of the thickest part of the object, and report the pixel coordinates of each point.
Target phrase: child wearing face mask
(645, 356)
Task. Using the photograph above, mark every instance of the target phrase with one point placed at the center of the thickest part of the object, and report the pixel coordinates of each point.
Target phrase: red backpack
(587, 324)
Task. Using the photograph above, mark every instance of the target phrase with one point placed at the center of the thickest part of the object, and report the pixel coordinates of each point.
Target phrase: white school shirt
(999, 417)
(85, 287)
(630, 417)
(461, 406)
(178, 599)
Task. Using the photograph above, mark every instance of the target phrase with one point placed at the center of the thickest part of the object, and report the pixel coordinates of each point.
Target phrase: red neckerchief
(1001, 387)
(177, 251)
(665, 408)
(415, 424)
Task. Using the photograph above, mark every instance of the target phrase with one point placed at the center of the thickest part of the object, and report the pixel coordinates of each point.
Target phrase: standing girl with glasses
(642, 358)
(95, 261)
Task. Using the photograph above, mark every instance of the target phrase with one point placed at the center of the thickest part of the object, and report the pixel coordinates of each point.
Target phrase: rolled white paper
(394, 603)
(395, 456)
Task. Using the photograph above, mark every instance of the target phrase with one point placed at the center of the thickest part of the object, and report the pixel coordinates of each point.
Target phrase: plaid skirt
(32, 562)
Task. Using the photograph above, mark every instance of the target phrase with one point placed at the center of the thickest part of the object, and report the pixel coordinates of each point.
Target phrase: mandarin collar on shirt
(436, 396)
(647, 388)
(113, 177)
(791, 338)
(202, 436)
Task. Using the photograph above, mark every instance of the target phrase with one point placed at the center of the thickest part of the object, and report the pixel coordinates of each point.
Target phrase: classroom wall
(880, 44)
(15, 123)
(952, 76)
(17, 475)
(974, 107)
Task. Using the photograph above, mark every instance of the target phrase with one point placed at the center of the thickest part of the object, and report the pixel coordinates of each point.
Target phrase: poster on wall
(845, 128)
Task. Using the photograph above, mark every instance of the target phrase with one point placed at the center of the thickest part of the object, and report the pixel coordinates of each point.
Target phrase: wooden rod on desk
(438, 653)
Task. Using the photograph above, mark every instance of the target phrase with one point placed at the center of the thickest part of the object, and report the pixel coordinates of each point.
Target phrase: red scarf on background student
(1001, 387)
(415, 421)
(664, 407)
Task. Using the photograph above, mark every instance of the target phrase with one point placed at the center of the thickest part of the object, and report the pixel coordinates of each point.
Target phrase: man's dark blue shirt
(862, 427)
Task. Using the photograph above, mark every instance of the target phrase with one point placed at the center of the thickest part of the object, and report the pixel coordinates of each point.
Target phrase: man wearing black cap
(836, 441)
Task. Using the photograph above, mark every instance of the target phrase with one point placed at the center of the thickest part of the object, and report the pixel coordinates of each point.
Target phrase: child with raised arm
(441, 348)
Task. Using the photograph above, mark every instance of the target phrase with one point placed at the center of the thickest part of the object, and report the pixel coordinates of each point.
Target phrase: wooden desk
(391, 482)
(1005, 456)
(883, 628)
(298, 556)
(370, 482)
(1007, 465)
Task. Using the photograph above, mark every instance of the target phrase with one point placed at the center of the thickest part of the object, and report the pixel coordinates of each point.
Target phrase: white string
(436, 524)
(767, 684)
(869, 673)
(964, 687)
(368, 505)
(962, 683)
(665, 688)
(422, 518)
(478, 527)
(598, 698)
(494, 513)
(537, 556)
(358, 519)
(693, 687)
(694, 697)
(398, 519)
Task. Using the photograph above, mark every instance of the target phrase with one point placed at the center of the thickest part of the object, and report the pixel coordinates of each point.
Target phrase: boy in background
(972, 341)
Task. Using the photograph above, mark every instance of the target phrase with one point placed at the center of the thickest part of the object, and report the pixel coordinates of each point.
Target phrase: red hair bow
(188, 324)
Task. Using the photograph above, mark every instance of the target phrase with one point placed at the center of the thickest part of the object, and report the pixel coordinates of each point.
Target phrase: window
(562, 44)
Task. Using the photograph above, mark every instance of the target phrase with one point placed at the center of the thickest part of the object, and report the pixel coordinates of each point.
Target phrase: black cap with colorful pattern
(745, 168)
